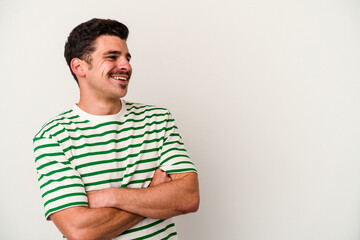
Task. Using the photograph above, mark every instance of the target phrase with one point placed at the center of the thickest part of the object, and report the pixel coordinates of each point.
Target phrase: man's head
(81, 41)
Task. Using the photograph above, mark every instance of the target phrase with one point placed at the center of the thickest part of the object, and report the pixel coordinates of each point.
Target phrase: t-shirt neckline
(100, 118)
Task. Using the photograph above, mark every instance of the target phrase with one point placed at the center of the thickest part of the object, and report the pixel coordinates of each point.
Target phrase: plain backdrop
(264, 92)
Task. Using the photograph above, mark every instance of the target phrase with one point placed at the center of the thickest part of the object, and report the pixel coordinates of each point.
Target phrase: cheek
(105, 67)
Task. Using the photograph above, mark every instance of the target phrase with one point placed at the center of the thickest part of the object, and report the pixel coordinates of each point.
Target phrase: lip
(124, 82)
(116, 76)
(120, 77)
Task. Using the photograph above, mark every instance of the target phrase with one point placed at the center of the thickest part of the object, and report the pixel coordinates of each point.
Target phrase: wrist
(110, 200)
(113, 197)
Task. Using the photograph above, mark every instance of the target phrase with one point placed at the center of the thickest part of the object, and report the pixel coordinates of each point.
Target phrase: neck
(100, 107)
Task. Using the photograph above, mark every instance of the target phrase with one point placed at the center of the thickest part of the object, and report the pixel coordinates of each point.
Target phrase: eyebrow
(116, 53)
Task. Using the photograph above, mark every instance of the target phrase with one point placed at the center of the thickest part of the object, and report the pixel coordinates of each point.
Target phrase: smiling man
(109, 168)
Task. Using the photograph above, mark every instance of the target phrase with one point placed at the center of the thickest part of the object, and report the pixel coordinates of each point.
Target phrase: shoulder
(133, 108)
(56, 124)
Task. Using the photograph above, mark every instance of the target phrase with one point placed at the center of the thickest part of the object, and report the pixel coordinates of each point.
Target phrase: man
(109, 168)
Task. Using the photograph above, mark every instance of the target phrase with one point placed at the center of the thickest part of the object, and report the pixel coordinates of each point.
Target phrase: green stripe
(58, 123)
(46, 146)
(142, 161)
(90, 174)
(51, 163)
(183, 162)
(63, 118)
(103, 182)
(112, 151)
(117, 170)
(65, 206)
(59, 180)
(173, 142)
(140, 171)
(143, 227)
(182, 170)
(49, 155)
(62, 124)
(116, 132)
(62, 187)
(174, 134)
(46, 124)
(76, 116)
(170, 235)
(115, 160)
(136, 182)
(174, 156)
(173, 149)
(115, 123)
(146, 110)
(113, 141)
(137, 107)
(55, 171)
(64, 196)
(117, 180)
(155, 233)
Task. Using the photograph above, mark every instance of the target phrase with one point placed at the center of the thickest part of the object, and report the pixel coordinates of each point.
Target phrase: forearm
(179, 196)
(162, 201)
(100, 223)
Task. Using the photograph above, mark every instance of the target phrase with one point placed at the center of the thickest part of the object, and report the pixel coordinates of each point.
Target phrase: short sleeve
(60, 184)
(173, 155)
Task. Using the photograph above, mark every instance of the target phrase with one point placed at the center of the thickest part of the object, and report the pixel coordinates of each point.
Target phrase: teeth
(120, 78)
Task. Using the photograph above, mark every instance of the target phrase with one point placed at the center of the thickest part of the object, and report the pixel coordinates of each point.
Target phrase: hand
(160, 177)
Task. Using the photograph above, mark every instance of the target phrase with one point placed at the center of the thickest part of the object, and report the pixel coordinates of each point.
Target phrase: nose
(124, 64)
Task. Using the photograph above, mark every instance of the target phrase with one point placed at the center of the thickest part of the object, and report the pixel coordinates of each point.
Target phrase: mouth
(120, 77)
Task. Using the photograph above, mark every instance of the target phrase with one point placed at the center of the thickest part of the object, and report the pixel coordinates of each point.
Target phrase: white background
(265, 94)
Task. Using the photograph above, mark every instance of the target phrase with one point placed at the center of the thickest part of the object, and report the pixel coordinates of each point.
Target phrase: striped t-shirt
(78, 152)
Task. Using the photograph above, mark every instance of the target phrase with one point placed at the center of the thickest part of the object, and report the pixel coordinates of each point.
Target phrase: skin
(112, 211)
(179, 195)
(99, 223)
(77, 223)
(100, 92)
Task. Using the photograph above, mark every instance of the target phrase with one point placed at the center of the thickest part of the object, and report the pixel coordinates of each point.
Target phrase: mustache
(119, 72)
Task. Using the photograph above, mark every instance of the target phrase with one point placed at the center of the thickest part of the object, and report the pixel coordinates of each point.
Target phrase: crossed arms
(114, 210)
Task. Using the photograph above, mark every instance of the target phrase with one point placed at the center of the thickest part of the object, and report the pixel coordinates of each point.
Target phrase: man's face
(108, 74)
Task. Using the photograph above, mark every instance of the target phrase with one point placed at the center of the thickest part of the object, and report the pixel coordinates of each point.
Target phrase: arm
(98, 223)
(101, 223)
(61, 186)
(172, 198)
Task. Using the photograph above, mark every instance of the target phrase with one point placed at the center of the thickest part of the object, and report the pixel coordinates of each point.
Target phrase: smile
(120, 78)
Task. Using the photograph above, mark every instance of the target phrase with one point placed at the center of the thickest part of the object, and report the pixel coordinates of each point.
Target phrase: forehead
(110, 43)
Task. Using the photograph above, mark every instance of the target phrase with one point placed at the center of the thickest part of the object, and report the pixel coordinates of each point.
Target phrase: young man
(109, 168)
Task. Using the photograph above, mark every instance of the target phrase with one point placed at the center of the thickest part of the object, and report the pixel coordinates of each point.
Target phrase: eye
(128, 59)
(112, 57)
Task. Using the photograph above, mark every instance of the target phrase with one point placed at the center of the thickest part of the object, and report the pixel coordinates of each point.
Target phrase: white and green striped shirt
(78, 152)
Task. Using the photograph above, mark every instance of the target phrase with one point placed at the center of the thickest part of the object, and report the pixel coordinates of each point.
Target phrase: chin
(122, 94)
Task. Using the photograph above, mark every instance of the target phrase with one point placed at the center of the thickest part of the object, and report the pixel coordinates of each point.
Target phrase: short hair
(80, 43)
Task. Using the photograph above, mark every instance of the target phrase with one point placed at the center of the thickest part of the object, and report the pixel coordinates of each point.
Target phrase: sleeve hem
(63, 207)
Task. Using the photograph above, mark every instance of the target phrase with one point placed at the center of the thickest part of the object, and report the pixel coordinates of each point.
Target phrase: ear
(79, 67)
